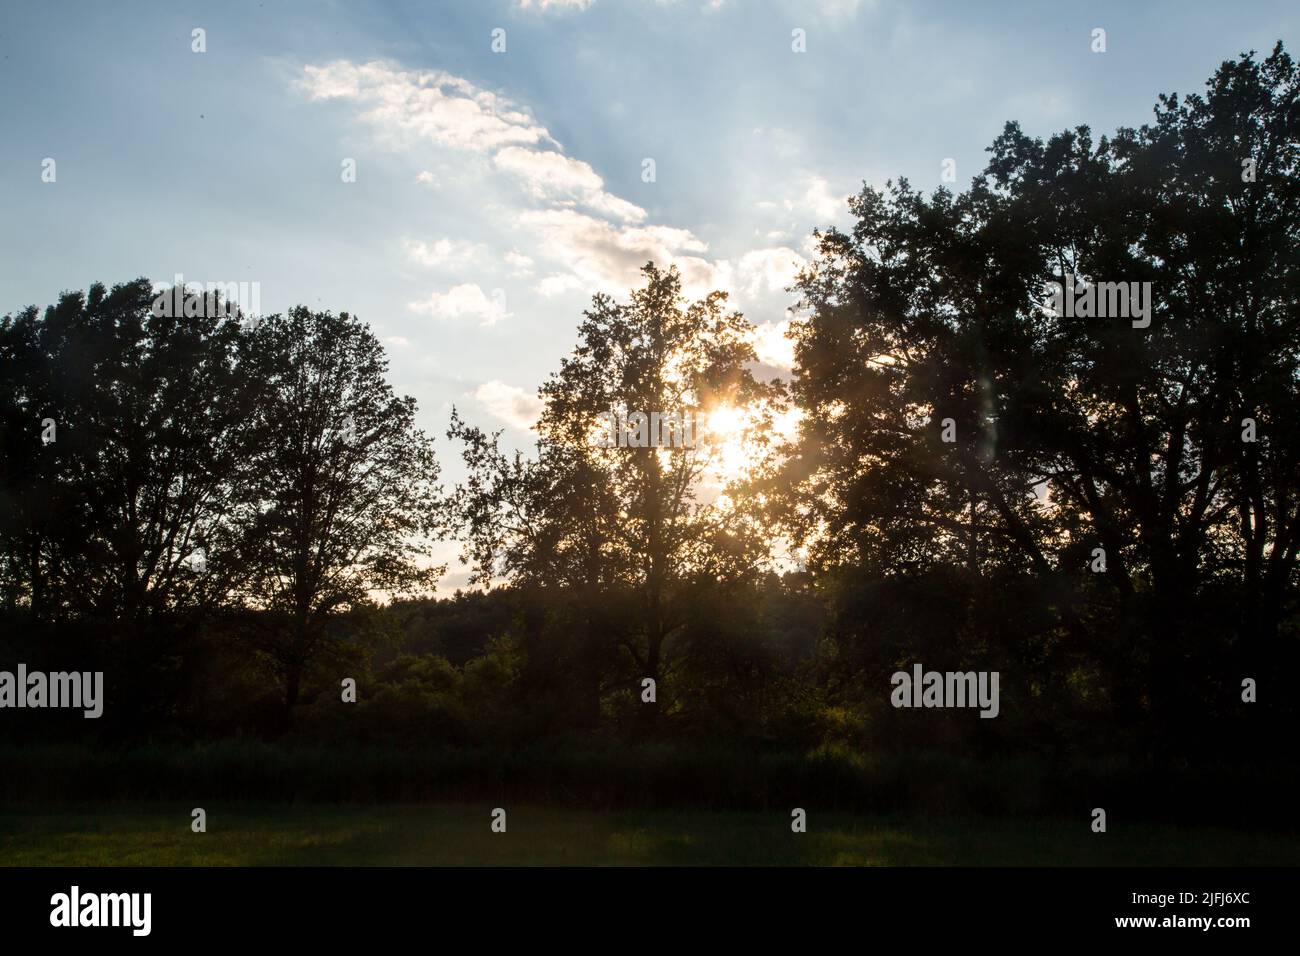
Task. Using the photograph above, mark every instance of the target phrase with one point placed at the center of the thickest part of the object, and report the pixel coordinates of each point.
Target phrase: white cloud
(559, 284)
(449, 111)
(820, 201)
(551, 175)
(510, 404)
(770, 270)
(612, 205)
(771, 345)
(466, 299)
(812, 203)
(553, 4)
(442, 252)
(430, 104)
(546, 172)
(579, 235)
(608, 257)
(520, 264)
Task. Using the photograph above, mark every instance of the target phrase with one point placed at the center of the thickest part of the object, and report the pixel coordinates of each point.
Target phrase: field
(448, 834)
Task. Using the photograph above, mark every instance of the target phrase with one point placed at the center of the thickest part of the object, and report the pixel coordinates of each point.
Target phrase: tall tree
(1074, 436)
(125, 436)
(625, 535)
(345, 498)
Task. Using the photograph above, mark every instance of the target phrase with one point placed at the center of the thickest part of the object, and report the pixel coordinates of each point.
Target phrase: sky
(513, 157)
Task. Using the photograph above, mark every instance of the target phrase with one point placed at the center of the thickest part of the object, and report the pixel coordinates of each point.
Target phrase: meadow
(456, 834)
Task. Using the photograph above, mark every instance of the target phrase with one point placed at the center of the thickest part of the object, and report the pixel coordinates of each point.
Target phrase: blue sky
(495, 192)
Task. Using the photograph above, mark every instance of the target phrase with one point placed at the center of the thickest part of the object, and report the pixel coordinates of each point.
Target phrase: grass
(448, 834)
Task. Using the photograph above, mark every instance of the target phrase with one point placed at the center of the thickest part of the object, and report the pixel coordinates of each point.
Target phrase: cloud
(548, 172)
(608, 257)
(583, 236)
(520, 264)
(770, 270)
(771, 345)
(820, 201)
(811, 203)
(441, 253)
(545, 5)
(559, 284)
(448, 111)
(550, 175)
(466, 299)
(429, 104)
(510, 404)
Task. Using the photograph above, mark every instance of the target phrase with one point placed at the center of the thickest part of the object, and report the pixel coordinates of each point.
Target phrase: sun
(726, 423)
(731, 434)
(730, 442)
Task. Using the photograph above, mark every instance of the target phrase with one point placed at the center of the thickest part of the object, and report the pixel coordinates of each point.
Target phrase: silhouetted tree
(617, 539)
(344, 496)
(121, 514)
(1073, 433)
(124, 440)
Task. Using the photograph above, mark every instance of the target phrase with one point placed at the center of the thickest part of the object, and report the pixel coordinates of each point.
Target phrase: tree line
(1105, 511)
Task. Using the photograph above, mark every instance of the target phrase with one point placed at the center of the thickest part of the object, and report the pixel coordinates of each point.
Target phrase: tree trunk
(292, 690)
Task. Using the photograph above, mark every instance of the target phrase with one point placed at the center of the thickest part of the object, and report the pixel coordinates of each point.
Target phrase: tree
(619, 540)
(128, 433)
(126, 436)
(1077, 436)
(344, 498)
(123, 441)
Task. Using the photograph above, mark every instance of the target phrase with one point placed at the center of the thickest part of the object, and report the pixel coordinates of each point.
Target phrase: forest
(1096, 509)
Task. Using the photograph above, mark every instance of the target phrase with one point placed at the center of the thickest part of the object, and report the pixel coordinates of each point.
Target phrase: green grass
(459, 835)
